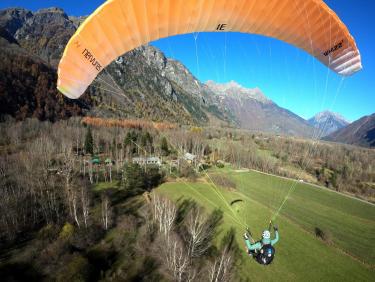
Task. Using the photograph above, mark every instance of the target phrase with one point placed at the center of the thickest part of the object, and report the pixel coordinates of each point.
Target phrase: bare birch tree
(220, 270)
(85, 201)
(91, 172)
(37, 176)
(164, 214)
(200, 230)
(176, 259)
(106, 212)
(74, 203)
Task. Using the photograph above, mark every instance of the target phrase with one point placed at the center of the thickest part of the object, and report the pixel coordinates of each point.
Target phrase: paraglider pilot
(262, 250)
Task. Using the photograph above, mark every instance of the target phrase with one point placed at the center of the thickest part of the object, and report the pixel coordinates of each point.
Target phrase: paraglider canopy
(234, 202)
(119, 26)
(237, 205)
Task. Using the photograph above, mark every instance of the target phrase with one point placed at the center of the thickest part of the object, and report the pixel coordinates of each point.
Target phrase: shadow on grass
(324, 235)
(183, 208)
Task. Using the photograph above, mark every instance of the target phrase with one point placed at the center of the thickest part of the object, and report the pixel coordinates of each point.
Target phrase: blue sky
(287, 75)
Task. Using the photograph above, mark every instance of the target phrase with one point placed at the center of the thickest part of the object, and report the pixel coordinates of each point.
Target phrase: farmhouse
(147, 161)
(190, 157)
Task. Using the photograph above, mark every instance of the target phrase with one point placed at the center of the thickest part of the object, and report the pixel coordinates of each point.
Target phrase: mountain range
(361, 132)
(142, 83)
(327, 122)
(254, 111)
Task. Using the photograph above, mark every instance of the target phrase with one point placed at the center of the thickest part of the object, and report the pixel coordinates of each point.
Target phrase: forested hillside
(361, 132)
(28, 87)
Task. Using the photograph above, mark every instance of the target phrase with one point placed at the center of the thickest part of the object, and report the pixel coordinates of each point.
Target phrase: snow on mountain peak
(328, 122)
(324, 115)
(234, 89)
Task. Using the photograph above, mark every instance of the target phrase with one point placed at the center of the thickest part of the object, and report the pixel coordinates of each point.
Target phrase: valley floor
(345, 254)
(346, 194)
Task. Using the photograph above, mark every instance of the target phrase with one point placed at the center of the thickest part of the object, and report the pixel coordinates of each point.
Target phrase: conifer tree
(164, 146)
(89, 142)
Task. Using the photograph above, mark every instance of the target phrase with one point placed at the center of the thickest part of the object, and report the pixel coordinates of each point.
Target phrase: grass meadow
(345, 253)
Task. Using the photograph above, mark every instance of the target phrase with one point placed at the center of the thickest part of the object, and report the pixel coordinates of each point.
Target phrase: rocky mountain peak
(51, 10)
(325, 115)
(43, 33)
(254, 111)
(53, 16)
(153, 56)
(235, 90)
(172, 70)
(77, 21)
(13, 18)
(159, 80)
(328, 122)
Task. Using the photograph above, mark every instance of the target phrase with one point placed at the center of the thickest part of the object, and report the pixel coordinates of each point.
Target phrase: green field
(349, 254)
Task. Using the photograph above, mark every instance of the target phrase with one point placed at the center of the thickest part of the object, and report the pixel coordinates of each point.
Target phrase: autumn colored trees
(127, 123)
(28, 89)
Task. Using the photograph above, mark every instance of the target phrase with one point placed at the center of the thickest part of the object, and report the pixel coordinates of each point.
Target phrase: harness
(265, 254)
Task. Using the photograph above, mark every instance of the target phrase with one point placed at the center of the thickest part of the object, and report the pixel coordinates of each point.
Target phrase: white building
(190, 157)
(147, 161)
